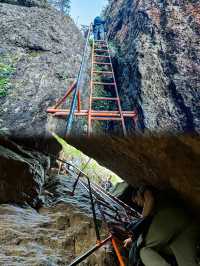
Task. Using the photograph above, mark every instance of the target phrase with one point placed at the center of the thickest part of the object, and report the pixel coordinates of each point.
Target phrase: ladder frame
(114, 84)
(102, 115)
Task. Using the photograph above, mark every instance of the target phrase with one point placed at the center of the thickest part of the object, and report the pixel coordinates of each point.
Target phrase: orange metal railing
(101, 67)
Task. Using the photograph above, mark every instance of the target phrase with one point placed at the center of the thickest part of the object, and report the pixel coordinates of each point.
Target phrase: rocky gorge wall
(40, 55)
(22, 174)
(53, 236)
(27, 3)
(157, 71)
(40, 222)
(157, 63)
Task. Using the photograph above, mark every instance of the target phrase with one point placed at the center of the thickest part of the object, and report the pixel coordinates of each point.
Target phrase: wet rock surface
(44, 50)
(157, 63)
(52, 236)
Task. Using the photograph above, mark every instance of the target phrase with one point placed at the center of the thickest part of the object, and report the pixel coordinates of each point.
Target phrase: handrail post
(118, 253)
(79, 101)
(94, 212)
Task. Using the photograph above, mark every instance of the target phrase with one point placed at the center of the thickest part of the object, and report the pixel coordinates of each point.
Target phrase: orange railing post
(68, 92)
(118, 253)
(79, 101)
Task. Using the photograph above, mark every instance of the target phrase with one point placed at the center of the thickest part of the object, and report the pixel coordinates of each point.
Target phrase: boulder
(42, 51)
(22, 174)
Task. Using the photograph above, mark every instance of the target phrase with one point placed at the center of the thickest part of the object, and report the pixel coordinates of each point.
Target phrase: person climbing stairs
(99, 29)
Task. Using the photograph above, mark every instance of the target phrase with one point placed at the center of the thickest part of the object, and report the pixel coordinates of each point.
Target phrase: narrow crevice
(126, 68)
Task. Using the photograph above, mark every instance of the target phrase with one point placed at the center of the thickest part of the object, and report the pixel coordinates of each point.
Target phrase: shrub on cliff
(6, 70)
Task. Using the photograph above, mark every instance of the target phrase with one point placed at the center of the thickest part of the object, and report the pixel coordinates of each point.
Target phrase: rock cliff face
(52, 236)
(40, 53)
(158, 61)
(22, 174)
(28, 3)
(41, 223)
(157, 70)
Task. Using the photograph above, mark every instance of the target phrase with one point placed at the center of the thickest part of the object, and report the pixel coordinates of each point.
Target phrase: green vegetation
(93, 169)
(67, 149)
(100, 91)
(3, 86)
(113, 48)
(102, 105)
(91, 42)
(62, 76)
(6, 71)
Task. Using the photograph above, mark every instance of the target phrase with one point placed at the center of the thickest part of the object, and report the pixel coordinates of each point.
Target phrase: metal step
(92, 115)
(97, 41)
(105, 99)
(103, 72)
(104, 83)
(102, 63)
(99, 45)
(102, 56)
(102, 50)
(106, 118)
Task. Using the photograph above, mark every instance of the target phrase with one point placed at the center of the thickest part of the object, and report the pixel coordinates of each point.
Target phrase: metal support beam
(79, 101)
(89, 252)
(69, 91)
(65, 112)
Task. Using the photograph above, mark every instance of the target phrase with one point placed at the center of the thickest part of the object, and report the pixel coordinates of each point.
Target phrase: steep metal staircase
(101, 58)
(114, 213)
(102, 76)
